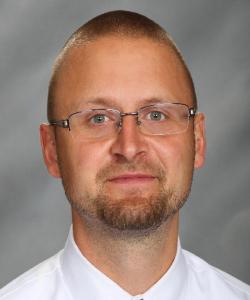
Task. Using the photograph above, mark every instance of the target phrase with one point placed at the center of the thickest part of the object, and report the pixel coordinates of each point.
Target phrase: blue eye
(99, 119)
(156, 116)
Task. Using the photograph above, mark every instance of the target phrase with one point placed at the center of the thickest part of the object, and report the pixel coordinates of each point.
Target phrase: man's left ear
(200, 140)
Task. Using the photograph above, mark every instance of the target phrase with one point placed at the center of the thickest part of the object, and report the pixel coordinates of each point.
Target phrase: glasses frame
(65, 123)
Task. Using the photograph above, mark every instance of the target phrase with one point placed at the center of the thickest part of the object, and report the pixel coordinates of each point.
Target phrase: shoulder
(40, 282)
(217, 283)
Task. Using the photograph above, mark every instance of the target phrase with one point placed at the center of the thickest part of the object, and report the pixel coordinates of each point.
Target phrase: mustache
(115, 169)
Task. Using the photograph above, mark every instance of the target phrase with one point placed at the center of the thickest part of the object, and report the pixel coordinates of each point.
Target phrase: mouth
(132, 178)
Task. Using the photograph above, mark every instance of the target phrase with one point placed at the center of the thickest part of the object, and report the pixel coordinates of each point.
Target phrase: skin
(113, 69)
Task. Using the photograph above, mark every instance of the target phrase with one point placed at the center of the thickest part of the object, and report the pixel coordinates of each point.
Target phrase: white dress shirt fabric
(69, 275)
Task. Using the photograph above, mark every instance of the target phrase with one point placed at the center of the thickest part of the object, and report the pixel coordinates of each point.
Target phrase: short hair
(115, 23)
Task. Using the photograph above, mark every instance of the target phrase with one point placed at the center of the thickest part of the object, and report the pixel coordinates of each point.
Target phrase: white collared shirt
(69, 275)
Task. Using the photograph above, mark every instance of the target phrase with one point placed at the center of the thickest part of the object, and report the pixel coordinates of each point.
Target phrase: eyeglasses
(157, 119)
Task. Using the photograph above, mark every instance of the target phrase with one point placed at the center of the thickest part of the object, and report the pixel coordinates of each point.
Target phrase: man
(124, 136)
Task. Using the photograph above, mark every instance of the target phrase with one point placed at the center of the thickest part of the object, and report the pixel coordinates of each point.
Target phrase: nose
(129, 142)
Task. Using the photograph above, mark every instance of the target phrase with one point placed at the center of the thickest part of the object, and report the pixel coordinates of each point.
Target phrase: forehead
(125, 71)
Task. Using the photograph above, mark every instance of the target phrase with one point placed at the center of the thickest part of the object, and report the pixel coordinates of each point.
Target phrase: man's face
(129, 180)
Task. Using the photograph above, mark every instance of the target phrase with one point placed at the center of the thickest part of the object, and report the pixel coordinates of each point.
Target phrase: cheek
(79, 163)
(88, 160)
(176, 156)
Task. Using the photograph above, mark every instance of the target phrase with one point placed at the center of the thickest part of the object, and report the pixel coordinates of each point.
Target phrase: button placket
(138, 297)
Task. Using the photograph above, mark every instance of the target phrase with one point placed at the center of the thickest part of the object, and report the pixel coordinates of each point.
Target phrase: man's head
(129, 180)
(123, 25)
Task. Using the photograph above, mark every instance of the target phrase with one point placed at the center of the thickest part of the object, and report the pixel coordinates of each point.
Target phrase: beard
(133, 212)
(138, 213)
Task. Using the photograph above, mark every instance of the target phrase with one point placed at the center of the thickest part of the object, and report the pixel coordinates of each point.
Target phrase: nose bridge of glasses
(122, 115)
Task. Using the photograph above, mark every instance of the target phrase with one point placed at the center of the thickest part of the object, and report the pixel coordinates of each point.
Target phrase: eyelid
(153, 106)
(105, 113)
(159, 104)
(92, 118)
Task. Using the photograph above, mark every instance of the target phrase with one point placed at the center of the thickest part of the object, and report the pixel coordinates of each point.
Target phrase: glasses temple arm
(60, 123)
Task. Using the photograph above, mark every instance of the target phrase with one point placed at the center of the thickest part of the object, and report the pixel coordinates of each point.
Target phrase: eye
(99, 119)
(156, 116)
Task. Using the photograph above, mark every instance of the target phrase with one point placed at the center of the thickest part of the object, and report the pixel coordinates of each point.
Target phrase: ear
(200, 140)
(48, 143)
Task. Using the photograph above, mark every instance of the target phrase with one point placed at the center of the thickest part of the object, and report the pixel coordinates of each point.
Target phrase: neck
(124, 259)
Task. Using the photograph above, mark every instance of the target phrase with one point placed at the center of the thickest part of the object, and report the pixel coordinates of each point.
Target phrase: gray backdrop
(214, 37)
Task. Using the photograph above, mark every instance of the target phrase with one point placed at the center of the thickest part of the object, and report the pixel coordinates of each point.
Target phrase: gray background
(214, 37)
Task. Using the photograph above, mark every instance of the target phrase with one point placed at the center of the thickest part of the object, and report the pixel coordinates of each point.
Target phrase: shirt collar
(85, 281)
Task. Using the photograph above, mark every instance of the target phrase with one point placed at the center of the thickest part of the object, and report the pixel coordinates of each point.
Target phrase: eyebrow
(106, 102)
(111, 103)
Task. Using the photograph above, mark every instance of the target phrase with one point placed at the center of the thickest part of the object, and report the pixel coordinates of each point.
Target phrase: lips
(132, 178)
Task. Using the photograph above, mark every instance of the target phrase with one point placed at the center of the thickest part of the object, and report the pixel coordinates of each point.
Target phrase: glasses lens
(164, 119)
(96, 123)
